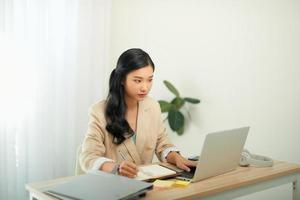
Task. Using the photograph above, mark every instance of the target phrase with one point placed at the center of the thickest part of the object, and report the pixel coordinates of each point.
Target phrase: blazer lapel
(131, 149)
(135, 150)
(143, 125)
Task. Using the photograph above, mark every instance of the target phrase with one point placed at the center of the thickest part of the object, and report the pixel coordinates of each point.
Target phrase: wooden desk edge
(172, 192)
(36, 187)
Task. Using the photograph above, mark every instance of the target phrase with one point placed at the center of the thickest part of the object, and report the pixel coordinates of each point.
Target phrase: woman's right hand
(128, 169)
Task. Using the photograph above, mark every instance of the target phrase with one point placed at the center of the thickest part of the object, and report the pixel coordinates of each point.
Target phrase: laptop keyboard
(189, 174)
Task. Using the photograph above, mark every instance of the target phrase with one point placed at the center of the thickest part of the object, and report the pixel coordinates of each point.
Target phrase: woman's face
(138, 83)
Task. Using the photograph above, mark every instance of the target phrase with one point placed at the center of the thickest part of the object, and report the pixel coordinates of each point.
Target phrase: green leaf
(180, 131)
(178, 102)
(176, 119)
(171, 88)
(192, 100)
(165, 106)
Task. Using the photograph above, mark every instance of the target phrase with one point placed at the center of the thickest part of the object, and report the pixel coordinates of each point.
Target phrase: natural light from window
(17, 88)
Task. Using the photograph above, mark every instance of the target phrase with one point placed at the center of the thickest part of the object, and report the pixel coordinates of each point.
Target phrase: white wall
(241, 58)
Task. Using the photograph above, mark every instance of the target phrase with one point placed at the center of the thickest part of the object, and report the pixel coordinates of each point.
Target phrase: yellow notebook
(154, 171)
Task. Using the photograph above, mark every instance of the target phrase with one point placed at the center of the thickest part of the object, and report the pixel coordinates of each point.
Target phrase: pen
(123, 157)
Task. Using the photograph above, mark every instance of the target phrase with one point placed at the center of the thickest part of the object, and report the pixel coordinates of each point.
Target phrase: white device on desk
(221, 153)
(248, 159)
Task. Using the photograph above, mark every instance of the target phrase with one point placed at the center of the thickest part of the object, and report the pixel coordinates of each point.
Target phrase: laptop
(99, 185)
(220, 153)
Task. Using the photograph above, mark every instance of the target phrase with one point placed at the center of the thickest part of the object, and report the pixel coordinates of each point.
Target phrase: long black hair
(117, 125)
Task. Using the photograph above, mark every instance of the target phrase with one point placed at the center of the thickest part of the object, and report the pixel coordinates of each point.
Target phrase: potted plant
(175, 117)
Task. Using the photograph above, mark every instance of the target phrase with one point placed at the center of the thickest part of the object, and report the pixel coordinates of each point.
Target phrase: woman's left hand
(180, 161)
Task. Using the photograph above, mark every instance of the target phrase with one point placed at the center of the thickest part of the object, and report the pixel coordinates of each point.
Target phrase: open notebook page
(153, 171)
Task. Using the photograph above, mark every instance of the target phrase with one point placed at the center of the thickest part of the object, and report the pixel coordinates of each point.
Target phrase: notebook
(155, 171)
(99, 185)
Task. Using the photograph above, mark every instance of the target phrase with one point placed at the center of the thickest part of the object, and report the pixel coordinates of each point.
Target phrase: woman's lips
(142, 95)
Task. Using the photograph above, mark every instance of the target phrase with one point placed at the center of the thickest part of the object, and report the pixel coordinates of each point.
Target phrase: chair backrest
(78, 169)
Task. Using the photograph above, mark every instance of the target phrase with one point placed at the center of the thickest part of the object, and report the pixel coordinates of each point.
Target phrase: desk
(242, 181)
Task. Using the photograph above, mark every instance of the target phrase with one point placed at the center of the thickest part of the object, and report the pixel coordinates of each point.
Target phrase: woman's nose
(144, 87)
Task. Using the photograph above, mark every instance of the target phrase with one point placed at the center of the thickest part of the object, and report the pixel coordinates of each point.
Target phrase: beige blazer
(151, 137)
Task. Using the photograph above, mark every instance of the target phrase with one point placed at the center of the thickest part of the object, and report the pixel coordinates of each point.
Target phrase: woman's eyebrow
(142, 77)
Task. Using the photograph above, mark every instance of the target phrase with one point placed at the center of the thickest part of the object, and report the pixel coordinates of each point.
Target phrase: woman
(126, 129)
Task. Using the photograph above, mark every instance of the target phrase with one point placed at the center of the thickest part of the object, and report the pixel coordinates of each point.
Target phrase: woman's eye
(150, 80)
(137, 81)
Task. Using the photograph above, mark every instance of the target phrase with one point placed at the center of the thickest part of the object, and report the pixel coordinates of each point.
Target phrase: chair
(78, 169)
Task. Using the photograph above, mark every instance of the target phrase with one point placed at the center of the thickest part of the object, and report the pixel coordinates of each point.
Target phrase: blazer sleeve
(93, 145)
(163, 142)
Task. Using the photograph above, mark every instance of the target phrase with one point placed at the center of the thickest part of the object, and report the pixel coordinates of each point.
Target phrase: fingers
(132, 165)
(182, 165)
(191, 163)
(128, 169)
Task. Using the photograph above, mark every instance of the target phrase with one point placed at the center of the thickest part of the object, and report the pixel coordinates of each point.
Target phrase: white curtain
(53, 66)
